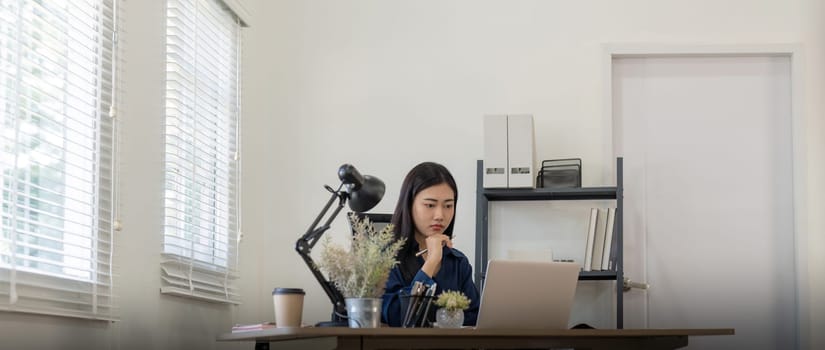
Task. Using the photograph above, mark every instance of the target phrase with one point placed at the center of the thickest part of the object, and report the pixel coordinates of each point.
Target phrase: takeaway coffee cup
(289, 306)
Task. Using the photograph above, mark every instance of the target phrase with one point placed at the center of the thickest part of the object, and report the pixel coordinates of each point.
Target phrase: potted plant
(451, 309)
(360, 272)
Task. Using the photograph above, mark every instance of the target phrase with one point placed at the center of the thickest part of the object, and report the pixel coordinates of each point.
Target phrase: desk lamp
(363, 193)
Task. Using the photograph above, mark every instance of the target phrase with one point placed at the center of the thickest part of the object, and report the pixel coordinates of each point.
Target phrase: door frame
(613, 147)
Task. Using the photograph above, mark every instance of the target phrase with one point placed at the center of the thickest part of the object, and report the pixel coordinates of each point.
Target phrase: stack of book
(600, 249)
(238, 328)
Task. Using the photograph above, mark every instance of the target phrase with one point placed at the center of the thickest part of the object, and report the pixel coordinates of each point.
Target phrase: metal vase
(364, 312)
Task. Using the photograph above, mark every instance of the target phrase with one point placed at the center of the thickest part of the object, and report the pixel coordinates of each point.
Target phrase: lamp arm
(335, 296)
(304, 247)
(314, 233)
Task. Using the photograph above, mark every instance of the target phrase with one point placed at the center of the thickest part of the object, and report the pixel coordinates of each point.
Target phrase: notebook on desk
(527, 295)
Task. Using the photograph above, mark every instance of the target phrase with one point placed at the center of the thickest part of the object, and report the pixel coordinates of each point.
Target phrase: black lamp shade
(350, 177)
(368, 195)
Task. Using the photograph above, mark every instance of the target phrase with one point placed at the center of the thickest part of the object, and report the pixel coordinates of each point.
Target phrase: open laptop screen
(527, 294)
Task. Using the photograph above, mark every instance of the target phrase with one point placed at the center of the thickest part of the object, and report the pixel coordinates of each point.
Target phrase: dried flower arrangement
(361, 271)
(453, 300)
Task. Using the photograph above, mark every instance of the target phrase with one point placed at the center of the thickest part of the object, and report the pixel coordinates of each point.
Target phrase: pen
(422, 304)
(429, 299)
(411, 302)
(422, 251)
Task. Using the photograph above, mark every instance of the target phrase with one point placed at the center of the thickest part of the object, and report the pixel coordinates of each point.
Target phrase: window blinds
(56, 157)
(201, 216)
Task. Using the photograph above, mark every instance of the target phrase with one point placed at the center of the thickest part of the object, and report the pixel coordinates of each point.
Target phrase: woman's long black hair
(421, 177)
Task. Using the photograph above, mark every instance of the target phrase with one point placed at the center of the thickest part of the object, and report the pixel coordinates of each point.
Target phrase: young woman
(424, 216)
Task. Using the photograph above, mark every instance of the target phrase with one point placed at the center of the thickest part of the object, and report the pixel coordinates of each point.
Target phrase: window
(56, 157)
(201, 204)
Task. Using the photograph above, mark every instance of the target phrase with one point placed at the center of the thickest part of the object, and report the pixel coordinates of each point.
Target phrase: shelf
(527, 194)
(597, 275)
(484, 197)
(587, 275)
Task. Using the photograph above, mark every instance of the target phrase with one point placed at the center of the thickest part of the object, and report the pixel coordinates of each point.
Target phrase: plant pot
(449, 318)
(364, 312)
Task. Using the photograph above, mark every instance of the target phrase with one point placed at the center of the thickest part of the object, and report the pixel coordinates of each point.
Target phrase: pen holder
(419, 311)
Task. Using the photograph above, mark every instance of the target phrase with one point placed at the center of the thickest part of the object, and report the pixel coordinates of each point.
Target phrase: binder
(608, 238)
(598, 241)
(591, 235)
(495, 151)
(520, 151)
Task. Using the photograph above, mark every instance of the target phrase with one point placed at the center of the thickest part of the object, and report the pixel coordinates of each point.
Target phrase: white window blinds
(56, 157)
(201, 204)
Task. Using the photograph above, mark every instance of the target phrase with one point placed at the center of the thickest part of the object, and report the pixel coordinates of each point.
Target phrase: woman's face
(433, 209)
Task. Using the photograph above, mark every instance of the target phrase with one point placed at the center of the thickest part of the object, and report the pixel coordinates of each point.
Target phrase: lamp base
(338, 319)
(332, 324)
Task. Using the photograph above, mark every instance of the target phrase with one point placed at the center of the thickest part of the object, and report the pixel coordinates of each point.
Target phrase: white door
(708, 195)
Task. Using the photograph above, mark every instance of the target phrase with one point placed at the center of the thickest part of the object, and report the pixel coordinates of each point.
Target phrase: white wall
(813, 30)
(413, 79)
(148, 320)
(385, 85)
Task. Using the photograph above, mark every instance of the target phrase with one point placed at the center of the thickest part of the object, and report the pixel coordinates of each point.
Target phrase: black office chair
(379, 220)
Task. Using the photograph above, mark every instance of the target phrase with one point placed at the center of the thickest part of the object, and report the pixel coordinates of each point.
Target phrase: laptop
(527, 295)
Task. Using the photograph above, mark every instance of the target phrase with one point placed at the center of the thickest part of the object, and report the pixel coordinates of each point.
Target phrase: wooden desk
(434, 338)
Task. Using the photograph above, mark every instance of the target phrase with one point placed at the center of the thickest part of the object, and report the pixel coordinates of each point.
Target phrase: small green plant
(361, 271)
(453, 300)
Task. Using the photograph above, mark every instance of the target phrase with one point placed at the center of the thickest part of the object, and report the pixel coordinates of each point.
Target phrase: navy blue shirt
(455, 274)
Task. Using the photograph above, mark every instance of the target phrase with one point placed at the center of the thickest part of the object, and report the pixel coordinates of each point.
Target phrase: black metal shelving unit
(485, 196)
